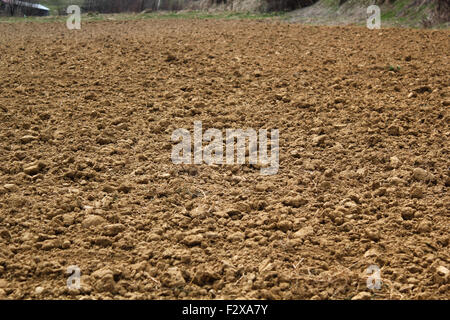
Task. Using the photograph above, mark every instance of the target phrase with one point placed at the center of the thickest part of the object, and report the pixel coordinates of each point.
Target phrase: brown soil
(86, 177)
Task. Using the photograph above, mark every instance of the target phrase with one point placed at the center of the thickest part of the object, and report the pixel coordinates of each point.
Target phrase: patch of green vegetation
(57, 6)
(153, 15)
(402, 12)
(331, 3)
(395, 69)
(206, 15)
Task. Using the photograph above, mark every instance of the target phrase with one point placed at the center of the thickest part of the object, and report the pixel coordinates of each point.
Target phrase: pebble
(39, 290)
(234, 213)
(371, 253)
(420, 174)
(396, 181)
(303, 232)
(295, 202)
(5, 234)
(407, 213)
(301, 103)
(262, 187)
(193, 240)
(10, 187)
(27, 139)
(50, 244)
(393, 130)
(442, 275)
(92, 221)
(105, 280)
(113, 229)
(284, 225)
(205, 277)
(34, 168)
(125, 188)
(319, 140)
(395, 162)
(442, 271)
(424, 226)
(417, 192)
(108, 189)
(362, 296)
(173, 278)
(3, 283)
(237, 236)
(373, 235)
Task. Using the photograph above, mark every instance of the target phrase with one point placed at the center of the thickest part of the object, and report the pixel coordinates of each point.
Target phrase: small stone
(443, 271)
(113, 229)
(350, 204)
(442, 275)
(234, 213)
(424, 226)
(27, 139)
(328, 173)
(5, 234)
(393, 130)
(237, 236)
(39, 290)
(193, 240)
(205, 277)
(50, 244)
(262, 187)
(173, 278)
(295, 202)
(92, 221)
(362, 296)
(371, 253)
(33, 169)
(412, 95)
(102, 140)
(284, 225)
(10, 187)
(108, 189)
(420, 174)
(407, 213)
(102, 241)
(105, 280)
(68, 219)
(319, 140)
(355, 197)
(361, 172)
(198, 212)
(373, 235)
(380, 192)
(394, 161)
(396, 181)
(325, 185)
(417, 192)
(303, 232)
(66, 244)
(301, 103)
(125, 188)
(3, 283)
(405, 288)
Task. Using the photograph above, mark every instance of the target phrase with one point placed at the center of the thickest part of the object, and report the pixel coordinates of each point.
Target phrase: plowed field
(87, 180)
